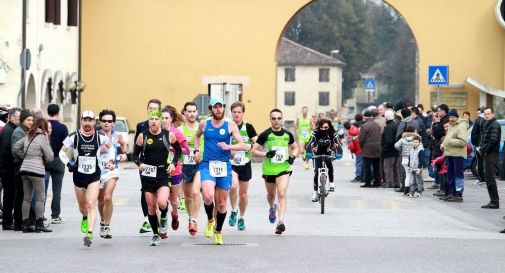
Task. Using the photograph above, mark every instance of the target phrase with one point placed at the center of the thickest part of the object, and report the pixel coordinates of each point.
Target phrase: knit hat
(389, 115)
(25, 113)
(453, 113)
(399, 106)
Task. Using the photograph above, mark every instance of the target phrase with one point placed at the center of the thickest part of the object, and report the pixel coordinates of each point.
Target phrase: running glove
(309, 155)
(72, 166)
(271, 153)
(291, 159)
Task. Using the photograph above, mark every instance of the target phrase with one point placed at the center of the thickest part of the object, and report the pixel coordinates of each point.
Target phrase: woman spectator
(35, 151)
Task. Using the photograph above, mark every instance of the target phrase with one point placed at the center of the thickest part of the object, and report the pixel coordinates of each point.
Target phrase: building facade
(306, 77)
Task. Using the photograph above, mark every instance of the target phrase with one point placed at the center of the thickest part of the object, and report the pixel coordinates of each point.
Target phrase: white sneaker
(102, 231)
(332, 186)
(429, 179)
(417, 195)
(315, 196)
(107, 233)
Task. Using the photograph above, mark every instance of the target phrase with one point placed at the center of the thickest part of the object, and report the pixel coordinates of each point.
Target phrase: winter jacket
(416, 158)
(353, 141)
(455, 140)
(370, 139)
(6, 159)
(388, 140)
(18, 134)
(440, 162)
(39, 152)
(403, 145)
(381, 121)
(438, 132)
(422, 132)
(490, 137)
(404, 124)
(477, 130)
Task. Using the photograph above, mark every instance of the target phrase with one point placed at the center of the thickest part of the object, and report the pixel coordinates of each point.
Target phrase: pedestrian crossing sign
(438, 75)
(370, 85)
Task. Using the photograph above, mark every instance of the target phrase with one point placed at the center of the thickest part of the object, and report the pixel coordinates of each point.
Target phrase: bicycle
(322, 177)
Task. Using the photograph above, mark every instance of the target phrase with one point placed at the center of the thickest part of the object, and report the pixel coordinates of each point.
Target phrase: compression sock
(153, 220)
(164, 212)
(209, 209)
(220, 220)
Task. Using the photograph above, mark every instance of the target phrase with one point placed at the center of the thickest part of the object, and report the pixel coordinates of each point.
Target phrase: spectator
(489, 148)
(416, 162)
(355, 149)
(406, 121)
(370, 142)
(56, 169)
(438, 132)
(403, 146)
(476, 136)
(440, 170)
(379, 118)
(389, 153)
(455, 150)
(466, 115)
(7, 170)
(425, 140)
(34, 150)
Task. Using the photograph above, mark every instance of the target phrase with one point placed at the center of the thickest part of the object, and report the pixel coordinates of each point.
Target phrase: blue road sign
(370, 85)
(438, 75)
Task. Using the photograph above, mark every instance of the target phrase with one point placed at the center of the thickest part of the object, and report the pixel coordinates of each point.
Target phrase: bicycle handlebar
(324, 157)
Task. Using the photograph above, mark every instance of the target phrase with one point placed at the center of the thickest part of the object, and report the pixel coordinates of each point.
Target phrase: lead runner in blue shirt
(215, 167)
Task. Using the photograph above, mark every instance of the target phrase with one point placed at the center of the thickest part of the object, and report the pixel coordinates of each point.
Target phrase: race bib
(218, 169)
(150, 171)
(190, 159)
(87, 164)
(104, 159)
(239, 158)
(305, 133)
(280, 155)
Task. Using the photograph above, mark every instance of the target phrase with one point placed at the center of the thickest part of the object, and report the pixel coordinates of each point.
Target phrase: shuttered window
(72, 15)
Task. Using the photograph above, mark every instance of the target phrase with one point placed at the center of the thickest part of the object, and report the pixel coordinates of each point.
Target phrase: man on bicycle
(324, 141)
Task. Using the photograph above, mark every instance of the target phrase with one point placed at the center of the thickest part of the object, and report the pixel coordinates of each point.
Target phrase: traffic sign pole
(438, 95)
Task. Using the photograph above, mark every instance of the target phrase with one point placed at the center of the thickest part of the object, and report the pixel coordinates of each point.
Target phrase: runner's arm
(240, 146)
(196, 140)
(177, 148)
(137, 149)
(257, 149)
(124, 147)
(63, 155)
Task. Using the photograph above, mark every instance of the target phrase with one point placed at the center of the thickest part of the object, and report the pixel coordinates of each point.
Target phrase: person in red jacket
(354, 147)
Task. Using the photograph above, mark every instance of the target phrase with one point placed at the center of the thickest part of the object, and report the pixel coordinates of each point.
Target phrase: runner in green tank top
(241, 166)
(277, 165)
(304, 125)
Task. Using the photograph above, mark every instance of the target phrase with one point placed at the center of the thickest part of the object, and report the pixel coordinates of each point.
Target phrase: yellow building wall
(134, 50)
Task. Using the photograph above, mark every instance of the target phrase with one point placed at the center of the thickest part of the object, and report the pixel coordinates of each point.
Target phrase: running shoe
(192, 227)
(146, 227)
(209, 230)
(332, 186)
(102, 230)
(271, 214)
(218, 238)
(56, 220)
(107, 233)
(84, 225)
(315, 196)
(164, 225)
(233, 218)
(306, 165)
(182, 205)
(155, 241)
(87, 239)
(175, 221)
(241, 224)
(280, 228)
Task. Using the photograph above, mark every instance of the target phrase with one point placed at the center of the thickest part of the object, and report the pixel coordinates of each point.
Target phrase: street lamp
(75, 88)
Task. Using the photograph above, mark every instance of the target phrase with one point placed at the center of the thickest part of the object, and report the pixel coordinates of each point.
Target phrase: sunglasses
(106, 121)
(274, 118)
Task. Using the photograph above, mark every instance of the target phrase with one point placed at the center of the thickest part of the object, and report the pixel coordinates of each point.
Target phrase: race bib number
(150, 171)
(104, 159)
(239, 158)
(190, 159)
(87, 164)
(218, 169)
(280, 155)
(305, 133)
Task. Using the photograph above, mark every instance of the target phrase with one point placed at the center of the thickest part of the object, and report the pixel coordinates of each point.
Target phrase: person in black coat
(389, 153)
(489, 148)
(438, 131)
(476, 138)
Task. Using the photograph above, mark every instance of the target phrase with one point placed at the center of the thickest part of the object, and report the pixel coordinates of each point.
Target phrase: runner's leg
(243, 187)
(91, 200)
(151, 211)
(281, 184)
(107, 200)
(233, 190)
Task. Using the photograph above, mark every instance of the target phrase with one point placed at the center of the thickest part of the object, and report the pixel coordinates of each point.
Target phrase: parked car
(471, 161)
(122, 127)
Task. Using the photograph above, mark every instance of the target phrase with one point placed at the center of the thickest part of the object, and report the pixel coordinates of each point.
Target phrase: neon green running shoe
(218, 238)
(182, 205)
(84, 225)
(209, 230)
(146, 227)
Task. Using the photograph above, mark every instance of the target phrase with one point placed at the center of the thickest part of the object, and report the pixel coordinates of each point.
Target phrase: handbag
(18, 167)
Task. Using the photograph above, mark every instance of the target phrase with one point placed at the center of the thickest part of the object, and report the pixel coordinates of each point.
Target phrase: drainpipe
(23, 47)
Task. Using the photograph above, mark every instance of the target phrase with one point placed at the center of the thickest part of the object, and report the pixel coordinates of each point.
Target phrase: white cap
(88, 114)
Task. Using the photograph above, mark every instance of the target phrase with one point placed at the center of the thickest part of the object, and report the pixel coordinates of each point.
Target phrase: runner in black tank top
(151, 155)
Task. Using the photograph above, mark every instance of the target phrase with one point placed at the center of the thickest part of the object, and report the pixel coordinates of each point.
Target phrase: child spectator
(416, 164)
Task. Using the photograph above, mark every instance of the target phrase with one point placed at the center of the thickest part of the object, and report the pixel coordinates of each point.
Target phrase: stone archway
(31, 95)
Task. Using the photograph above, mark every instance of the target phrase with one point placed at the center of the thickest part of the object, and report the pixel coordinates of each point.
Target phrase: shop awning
(484, 88)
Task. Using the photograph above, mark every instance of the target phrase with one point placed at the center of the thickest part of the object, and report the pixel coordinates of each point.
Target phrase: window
(324, 98)
(57, 12)
(72, 15)
(324, 74)
(50, 9)
(289, 74)
(289, 98)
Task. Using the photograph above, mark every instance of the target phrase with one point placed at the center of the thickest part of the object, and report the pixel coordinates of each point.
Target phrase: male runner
(277, 165)
(151, 154)
(303, 128)
(241, 165)
(191, 184)
(109, 178)
(215, 167)
(87, 146)
(141, 127)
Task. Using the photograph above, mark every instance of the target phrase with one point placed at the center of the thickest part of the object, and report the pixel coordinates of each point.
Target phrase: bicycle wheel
(322, 191)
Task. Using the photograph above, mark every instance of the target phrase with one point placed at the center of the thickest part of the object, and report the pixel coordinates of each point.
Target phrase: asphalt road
(363, 230)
